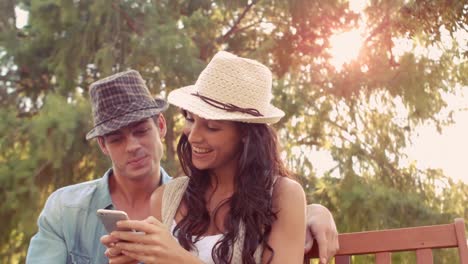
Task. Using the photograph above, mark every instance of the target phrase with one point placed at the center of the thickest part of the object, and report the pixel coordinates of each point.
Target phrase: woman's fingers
(140, 249)
(142, 258)
(146, 239)
(148, 225)
(134, 237)
(108, 240)
(123, 259)
(153, 220)
(112, 252)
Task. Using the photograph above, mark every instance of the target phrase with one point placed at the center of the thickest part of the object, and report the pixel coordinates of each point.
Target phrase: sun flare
(345, 47)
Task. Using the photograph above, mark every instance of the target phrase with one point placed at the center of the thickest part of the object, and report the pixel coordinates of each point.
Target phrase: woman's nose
(194, 134)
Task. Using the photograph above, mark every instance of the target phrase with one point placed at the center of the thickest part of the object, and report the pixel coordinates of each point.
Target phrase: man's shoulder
(76, 194)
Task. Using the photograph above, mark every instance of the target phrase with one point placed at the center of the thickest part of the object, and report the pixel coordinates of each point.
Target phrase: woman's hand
(114, 254)
(152, 244)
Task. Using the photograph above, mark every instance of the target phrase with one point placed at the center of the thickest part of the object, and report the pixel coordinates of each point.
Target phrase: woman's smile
(198, 150)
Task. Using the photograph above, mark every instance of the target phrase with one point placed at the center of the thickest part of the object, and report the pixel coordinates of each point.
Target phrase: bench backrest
(382, 243)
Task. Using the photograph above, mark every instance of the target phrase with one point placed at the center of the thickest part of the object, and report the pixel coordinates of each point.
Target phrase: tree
(351, 113)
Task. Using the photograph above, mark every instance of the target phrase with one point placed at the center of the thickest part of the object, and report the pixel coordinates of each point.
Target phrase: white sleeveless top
(203, 247)
(172, 196)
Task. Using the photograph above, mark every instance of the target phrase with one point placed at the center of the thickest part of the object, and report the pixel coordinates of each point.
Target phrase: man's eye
(141, 131)
(114, 139)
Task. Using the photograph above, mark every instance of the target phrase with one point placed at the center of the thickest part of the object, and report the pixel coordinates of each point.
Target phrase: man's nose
(133, 144)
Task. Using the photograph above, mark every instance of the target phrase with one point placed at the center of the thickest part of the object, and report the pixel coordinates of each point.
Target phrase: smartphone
(109, 219)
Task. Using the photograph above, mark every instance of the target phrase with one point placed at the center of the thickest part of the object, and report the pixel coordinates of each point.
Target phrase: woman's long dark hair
(251, 201)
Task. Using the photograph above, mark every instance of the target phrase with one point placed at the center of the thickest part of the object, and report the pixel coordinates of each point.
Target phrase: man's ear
(102, 145)
(162, 126)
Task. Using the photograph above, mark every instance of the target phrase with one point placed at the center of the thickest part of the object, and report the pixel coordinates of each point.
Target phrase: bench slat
(461, 238)
(424, 256)
(383, 258)
(403, 239)
(420, 239)
(343, 259)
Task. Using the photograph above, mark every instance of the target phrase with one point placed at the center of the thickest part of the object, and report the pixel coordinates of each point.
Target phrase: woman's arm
(288, 232)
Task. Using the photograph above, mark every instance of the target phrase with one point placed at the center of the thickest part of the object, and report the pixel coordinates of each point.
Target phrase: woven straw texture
(233, 80)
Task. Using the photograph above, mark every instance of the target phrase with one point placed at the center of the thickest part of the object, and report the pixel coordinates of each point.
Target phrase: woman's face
(215, 145)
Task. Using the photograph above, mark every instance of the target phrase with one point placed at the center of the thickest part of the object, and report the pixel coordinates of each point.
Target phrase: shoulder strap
(239, 245)
(173, 193)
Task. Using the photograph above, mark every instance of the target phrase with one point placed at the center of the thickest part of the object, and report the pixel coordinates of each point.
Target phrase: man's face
(136, 150)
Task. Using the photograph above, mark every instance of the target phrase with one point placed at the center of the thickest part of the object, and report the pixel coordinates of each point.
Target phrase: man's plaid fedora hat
(119, 100)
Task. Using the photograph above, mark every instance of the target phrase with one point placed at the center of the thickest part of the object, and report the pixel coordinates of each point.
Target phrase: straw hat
(230, 88)
(119, 100)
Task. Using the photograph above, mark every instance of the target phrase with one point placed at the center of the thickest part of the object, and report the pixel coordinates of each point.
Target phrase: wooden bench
(382, 243)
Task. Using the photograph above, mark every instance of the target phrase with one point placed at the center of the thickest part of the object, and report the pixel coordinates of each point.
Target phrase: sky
(447, 150)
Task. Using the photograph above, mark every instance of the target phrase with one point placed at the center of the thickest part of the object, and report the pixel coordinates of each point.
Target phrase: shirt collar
(103, 192)
(165, 178)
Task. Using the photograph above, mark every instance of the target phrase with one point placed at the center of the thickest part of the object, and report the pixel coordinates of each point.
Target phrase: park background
(369, 88)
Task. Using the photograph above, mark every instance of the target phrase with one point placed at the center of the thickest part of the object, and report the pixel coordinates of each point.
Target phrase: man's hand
(321, 227)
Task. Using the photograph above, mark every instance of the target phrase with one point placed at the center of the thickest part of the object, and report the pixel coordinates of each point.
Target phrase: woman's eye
(188, 118)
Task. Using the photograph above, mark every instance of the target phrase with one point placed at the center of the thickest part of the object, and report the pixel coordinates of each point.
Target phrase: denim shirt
(69, 229)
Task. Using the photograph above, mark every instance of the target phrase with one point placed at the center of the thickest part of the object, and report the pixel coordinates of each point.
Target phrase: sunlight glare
(357, 6)
(345, 47)
(21, 17)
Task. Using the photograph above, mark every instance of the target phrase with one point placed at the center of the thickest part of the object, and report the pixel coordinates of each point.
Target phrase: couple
(237, 205)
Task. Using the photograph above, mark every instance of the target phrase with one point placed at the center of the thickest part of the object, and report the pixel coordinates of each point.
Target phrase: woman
(238, 203)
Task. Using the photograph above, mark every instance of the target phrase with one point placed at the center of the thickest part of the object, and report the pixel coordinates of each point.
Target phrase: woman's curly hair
(259, 165)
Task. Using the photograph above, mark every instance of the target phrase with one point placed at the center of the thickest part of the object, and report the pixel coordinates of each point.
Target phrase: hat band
(228, 107)
(117, 116)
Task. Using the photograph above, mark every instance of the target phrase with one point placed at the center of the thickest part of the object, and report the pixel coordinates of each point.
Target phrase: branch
(130, 21)
(377, 30)
(234, 29)
(249, 26)
(41, 169)
(308, 142)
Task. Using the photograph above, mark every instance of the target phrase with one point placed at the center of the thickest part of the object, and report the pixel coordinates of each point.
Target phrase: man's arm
(321, 227)
(48, 245)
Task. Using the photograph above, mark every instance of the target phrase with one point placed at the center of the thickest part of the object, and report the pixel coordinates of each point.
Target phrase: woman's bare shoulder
(285, 184)
(287, 191)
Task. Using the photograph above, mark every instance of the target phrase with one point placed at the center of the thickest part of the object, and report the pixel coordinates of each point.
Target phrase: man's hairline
(154, 118)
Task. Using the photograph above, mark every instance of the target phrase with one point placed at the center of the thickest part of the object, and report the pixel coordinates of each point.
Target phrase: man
(129, 128)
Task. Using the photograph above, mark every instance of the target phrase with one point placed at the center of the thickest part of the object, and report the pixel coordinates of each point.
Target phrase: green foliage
(363, 115)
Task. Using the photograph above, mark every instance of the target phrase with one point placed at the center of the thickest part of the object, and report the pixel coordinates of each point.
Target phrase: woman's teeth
(200, 150)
